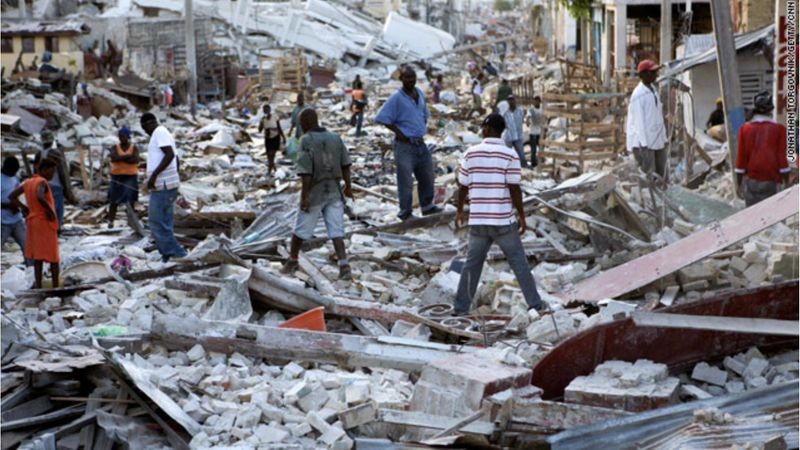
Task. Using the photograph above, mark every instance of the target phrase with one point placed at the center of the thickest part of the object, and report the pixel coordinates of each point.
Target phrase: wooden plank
(82, 162)
(620, 280)
(30, 408)
(734, 324)
(301, 345)
(61, 414)
(430, 421)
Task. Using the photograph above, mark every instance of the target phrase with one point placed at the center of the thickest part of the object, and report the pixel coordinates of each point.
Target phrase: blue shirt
(8, 185)
(401, 110)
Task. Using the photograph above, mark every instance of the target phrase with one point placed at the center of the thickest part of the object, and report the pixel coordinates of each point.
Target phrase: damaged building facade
(671, 318)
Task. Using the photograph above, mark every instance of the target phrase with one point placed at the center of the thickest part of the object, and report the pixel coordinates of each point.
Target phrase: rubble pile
(204, 351)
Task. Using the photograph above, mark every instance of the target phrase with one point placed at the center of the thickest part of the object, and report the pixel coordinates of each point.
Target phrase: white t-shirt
(168, 178)
(645, 121)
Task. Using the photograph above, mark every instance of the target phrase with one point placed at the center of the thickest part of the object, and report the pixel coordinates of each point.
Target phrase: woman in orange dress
(40, 220)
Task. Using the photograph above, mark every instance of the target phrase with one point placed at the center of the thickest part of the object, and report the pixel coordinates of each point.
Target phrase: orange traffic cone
(313, 320)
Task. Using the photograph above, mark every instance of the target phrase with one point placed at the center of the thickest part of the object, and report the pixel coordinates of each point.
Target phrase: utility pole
(728, 75)
(191, 54)
(23, 9)
(665, 53)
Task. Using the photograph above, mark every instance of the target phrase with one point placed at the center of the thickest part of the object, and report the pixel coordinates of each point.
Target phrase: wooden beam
(620, 280)
(732, 324)
(430, 421)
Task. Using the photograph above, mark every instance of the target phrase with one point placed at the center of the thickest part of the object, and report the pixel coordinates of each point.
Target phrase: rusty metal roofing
(758, 415)
(43, 28)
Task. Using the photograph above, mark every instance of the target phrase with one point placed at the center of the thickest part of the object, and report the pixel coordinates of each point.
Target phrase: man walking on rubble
(490, 175)
(406, 114)
(645, 131)
(503, 92)
(535, 121)
(761, 163)
(322, 161)
(299, 107)
(514, 118)
(162, 183)
(13, 227)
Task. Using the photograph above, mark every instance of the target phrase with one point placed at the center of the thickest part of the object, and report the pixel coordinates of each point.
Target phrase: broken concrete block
(696, 272)
(301, 429)
(703, 372)
(752, 254)
(267, 434)
(248, 417)
(345, 443)
(457, 385)
(755, 382)
(296, 392)
(239, 360)
(734, 387)
(196, 353)
(543, 330)
(734, 365)
(51, 303)
(293, 370)
(694, 391)
(356, 392)
(751, 353)
(442, 286)
(317, 422)
(784, 264)
(756, 273)
(738, 264)
(332, 435)
(314, 400)
(614, 309)
(755, 368)
(358, 415)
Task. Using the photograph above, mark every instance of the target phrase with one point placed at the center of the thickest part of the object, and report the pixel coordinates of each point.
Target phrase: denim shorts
(332, 213)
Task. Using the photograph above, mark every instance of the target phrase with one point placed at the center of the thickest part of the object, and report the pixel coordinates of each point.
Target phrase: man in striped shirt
(490, 175)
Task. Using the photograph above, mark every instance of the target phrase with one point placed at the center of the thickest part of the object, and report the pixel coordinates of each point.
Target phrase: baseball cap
(495, 121)
(647, 65)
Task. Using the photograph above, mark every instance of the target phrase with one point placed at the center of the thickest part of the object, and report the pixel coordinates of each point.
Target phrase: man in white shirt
(490, 175)
(514, 118)
(645, 130)
(536, 120)
(162, 183)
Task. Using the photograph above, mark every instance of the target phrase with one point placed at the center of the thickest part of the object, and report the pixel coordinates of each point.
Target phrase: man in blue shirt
(406, 114)
(12, 224)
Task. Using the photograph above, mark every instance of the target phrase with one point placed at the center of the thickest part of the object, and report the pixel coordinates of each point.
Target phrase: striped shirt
(168, 178)
(487, 169)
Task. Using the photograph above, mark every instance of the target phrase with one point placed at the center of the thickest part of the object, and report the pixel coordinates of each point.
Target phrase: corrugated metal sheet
(767, 34)
(43, 28)
(758, 414)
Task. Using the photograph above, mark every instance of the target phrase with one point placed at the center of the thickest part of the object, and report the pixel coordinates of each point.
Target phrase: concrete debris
(388, 359)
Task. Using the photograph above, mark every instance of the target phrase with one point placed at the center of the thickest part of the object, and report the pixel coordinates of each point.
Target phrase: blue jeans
(15, 231)
(413, 160)
(161, 216)
(359, 122)
(481, 238)
(58, 197)
(332, 213)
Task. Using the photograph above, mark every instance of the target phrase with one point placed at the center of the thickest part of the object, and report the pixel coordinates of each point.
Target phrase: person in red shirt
(761, 164)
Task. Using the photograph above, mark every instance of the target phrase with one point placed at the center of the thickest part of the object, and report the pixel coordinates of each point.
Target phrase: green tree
(503, 5)
(577, 8)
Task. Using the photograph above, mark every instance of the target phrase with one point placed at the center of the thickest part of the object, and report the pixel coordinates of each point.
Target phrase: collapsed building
(674, 310)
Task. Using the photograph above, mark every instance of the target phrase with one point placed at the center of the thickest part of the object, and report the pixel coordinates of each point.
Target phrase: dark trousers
(534, 143)
(413, 160)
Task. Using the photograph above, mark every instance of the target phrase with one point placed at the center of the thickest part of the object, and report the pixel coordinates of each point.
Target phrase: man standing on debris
(761, 164)
(645, 131)
(40, 219)
(273, 136)
(59, 183)
(477, 102)
(358, 106)
(12, 224)
(299, 107)
(162, 183)
(535, 120)
(514, 118)
(406, 114)
(490, 175)
(503, 91)
(124, 186)
(322, 161)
